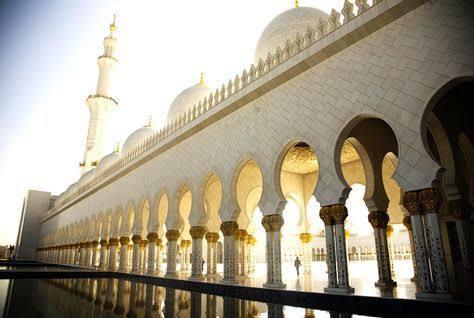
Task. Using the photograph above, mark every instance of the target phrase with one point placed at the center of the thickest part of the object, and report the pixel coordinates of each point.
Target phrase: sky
(48, 56)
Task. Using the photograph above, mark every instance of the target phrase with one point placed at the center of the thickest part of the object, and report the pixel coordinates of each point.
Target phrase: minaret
(101, 103)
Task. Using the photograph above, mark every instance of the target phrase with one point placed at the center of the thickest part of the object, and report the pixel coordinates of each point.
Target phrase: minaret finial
(117, 147)
(297, 4)
(113, 27)
(201, 79)
(150, 122)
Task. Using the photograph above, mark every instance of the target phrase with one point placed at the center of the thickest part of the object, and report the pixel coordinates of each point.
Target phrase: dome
(108, 160)
(86, 178)
(136, 138)
(284, 27)
(187, 99)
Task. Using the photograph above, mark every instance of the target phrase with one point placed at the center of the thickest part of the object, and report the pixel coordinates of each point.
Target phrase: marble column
(104, 251)
(144, 256)
(150, 291)
(275, 310)
(253, 256)
(407, 223)
(243, 265)
(197, 234)
(124, 259)
(77, 260)
(461, 212)
(136, 239)
(112, 263)
(172, 236)
(325, 215)
(272, 225)
(306, 239)
(185, 247)
(431, 201)
(212, 239)
(339, 214)
(196, 304)
(82, 259)
(152, 238)
(159, 256)
(120, 301)
(211, 306)
(413, 206)
(90, 252)
(379, 221)
(230, 263)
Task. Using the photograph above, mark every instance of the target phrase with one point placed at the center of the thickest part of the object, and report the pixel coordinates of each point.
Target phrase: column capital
(325, 215)
(430, 200)
(152, 237)
(185, 243)
(240, 235)
(306, 237)
(197, 232)
(411, 203)
(407, 222)
(103, 242)
(459, 209)
(95, 243)
(113, 242)
(124, 240)
(378, 219)
(339, 213)
(172, 235)
(212, 237)
(228, 228)
(136, 239)
(272, 222)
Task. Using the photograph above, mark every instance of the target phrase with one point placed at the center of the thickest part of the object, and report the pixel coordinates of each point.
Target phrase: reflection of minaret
(101, 103)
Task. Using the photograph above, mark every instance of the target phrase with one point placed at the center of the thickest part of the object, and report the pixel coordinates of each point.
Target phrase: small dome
(187, 99)
(136, 138)
(284, 27)
(107, 161)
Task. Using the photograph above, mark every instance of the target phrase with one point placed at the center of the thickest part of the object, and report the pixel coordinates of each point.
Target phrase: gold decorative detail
(103, 242)
(378, 219)
(339, 213)
(272, 222)
(407, 222)
(212, 237)
(117, 147)
(136, 239)
(430, 200)
(95, 243)
(243, 235)
(228, 228)
(411, 203)
(144, 243)
(202, 81)
(149, 122)
(389, 230)
(158, 242)
(113, 27)
(124, 240)
(459, 209)
(297, 4)
(306, 237)
(185, 243)
(197, 232)
(325, 215)
(172, 235)
(152, 237)
(300, 159)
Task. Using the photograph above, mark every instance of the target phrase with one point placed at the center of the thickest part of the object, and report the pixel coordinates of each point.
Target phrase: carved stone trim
(197, 232)
(152, 237)
(136, 239)
(212, 237)
(412, 203)
(339, 213)
(113, 242)
(430, 200)
(172, 235)
(272, 222)
(325, 215)
(124, 240)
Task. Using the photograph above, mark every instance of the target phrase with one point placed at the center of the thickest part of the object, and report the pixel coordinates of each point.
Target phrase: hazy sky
(48, 55)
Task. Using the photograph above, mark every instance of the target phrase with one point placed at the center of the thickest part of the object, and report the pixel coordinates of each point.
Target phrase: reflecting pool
(109, 297)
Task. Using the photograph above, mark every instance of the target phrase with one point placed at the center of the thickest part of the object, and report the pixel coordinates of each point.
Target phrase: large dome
(284, 27)
(136, 138)
(187, 99)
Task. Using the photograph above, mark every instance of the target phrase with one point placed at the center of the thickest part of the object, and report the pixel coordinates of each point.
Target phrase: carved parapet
(339, 213)
(172, 235)
(407, 222)
(136, 239)
(272, 222)
(113, 242)
(212, 237)
(378, 219)
(412, 203)
(197, 232)
(152, 237)
(306, 237)
(459, 209)
(430, 200)
(325, 215)
(124, 240)
(228, 228)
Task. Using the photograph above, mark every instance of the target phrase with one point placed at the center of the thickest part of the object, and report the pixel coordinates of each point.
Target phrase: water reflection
(100, 297)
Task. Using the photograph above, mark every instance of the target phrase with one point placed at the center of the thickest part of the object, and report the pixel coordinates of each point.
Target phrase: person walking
(297, 265)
